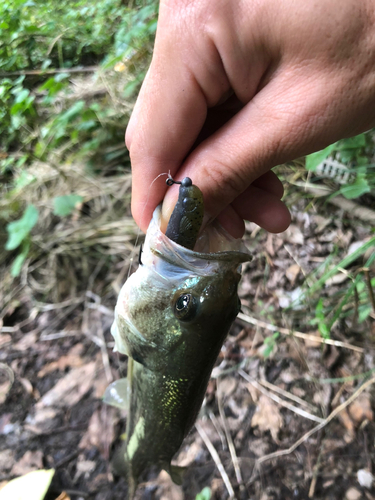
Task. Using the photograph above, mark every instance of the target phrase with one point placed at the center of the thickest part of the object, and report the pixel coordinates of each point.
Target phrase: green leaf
(205, 494)
(346, 261)
(31, 486)
(19, 260)
(19, 229)
(357, 142)
(364, 312)
(64, 205)
(323, 329)
(315, 159)
(358, 188)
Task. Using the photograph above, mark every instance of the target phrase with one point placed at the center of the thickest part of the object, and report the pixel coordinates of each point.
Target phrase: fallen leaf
(225, 386)
(42, 420)
(27, 385)
(292, 272)
(348, 424)
(32, 486)
(31, 461)
(101, 430)
(63, 496)
(353, 494)
(6, 459)
(73, 359)
(293, 235)
(27, 340)
(70, 389)
(189, 454)
(360, 409)
(167, 490)
(84, 468)
(267, 417)
(5, 339)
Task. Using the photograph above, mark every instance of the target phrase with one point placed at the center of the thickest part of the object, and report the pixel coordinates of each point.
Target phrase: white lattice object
(335, 170)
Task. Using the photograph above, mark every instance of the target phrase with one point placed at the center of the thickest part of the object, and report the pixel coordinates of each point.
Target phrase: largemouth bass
(171, 319)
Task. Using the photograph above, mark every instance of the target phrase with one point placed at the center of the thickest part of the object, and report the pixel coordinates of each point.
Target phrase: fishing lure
(171, 319)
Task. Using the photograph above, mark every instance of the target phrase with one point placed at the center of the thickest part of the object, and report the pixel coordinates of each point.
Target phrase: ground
(286, 415)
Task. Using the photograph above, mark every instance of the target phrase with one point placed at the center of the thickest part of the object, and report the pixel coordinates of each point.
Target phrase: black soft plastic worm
(187, 216)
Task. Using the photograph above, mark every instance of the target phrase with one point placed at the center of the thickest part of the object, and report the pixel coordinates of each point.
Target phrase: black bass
(171, 319)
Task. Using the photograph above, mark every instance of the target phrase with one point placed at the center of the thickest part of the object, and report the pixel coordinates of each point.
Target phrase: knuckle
(224, 182)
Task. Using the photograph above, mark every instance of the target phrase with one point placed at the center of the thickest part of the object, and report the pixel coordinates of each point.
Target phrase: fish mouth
(215, 250)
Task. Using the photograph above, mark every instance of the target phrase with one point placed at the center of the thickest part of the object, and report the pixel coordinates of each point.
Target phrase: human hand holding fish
(236, 88)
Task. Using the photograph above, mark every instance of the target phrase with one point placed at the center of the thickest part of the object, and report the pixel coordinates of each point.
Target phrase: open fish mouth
(166, 264)
(214, 250)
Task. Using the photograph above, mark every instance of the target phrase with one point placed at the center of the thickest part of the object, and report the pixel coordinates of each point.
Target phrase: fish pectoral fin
(117, 394)
(177, 473)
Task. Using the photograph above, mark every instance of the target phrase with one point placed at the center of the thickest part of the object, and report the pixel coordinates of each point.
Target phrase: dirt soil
(271, 386)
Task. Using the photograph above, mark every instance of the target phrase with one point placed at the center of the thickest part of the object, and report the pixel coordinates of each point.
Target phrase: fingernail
(168, 205)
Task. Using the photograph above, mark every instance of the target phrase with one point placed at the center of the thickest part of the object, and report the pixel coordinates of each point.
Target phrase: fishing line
(139, 229)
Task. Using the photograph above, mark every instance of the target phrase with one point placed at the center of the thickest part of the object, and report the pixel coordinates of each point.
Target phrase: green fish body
(171, 319)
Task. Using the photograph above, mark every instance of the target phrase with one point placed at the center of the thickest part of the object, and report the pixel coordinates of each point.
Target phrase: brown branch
(54, 71)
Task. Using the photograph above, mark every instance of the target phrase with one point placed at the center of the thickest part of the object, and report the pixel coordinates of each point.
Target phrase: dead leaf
(101, 430)
(6, 459)
(267, 417)
(63, 496)
(84, 468)
(293, 235)
(27, 385)
(70, 389)
(292, 272)
(5, 339)
(31, 460)
(27, 340)
(167, 489)
(42, 420)
(360, 409)
(72, 359)
(269, 245)
(189, 454)
(353, 494)
(348, 424)
(226, 386)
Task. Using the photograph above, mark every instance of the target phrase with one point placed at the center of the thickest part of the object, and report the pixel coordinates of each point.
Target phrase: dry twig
(278, 400)
(315, 429)
(294, 333)
(216, 459)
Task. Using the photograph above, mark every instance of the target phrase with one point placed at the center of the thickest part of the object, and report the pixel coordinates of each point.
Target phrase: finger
(186, 77)
(271, 183)
(277, 125)
(167, 122)
(263, 208)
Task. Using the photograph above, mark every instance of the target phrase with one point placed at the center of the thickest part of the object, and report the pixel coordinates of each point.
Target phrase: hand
(235, 88)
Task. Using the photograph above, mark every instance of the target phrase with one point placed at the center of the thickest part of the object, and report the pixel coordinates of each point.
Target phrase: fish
(171, 319)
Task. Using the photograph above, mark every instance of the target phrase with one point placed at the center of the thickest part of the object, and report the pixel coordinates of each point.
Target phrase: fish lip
(158, 248)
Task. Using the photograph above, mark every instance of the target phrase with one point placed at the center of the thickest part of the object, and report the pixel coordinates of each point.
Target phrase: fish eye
(185, 307)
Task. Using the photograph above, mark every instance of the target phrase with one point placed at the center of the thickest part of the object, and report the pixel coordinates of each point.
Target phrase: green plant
(270, 344)
(38, 111)
(354, 153)
(19, 236)
(205, 494)
(65, 205)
